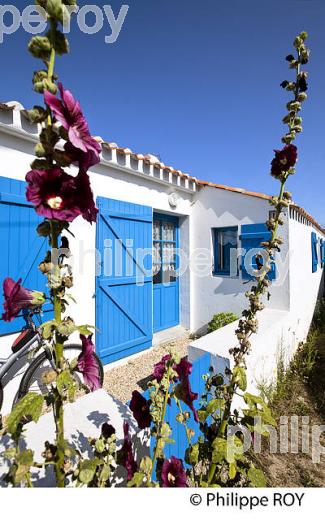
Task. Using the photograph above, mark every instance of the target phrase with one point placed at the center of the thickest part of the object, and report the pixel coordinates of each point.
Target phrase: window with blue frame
(164, 249)
(225, 241)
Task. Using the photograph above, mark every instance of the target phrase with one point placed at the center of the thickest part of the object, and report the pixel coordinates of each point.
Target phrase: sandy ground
(121, 381)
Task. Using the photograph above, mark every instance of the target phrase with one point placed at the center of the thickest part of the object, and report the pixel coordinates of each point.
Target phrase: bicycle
(30, 340)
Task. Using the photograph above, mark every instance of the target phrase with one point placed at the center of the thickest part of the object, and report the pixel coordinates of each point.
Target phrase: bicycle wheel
(32, 380)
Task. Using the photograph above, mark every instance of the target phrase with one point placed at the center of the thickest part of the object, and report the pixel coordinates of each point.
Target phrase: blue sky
(196, 82)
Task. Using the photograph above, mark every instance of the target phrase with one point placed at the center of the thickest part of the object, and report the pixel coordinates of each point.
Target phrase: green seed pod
(50, 86)
(36, 114)
(40, 47)
(39, 75)
(294, 106)
(54, 9)
(302, 97)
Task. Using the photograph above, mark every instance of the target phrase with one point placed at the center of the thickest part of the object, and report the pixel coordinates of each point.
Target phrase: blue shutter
(322, 251)
(314, 251)
(123, 305)
(21, 247)
(252, 235)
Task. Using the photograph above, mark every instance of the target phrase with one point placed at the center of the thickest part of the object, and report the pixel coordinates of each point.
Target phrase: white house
(161, 256)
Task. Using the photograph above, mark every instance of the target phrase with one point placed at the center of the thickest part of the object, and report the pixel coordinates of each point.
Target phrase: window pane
(168, 253)
(156, 257)
(226, 240)
(168, 231)
(156, 230)
(169, 273)
(156, 272)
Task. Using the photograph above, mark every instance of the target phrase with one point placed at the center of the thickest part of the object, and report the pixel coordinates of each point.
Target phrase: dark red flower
(108, 430)
(173, 473)
(84, 160)
(68, 112)
(184, 393)
(127, 457)
(17, 298)
(159, 369)
(141, 410)
(184, 368)
(88, 365)
(284, 160)
(84, 197)
(57, 195)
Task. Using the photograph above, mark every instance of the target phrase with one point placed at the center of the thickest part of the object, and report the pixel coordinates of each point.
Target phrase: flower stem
(161, 422)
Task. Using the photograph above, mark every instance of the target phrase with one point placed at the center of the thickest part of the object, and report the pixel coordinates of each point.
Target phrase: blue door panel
(166, 295)
(124, 285)
(21, 248)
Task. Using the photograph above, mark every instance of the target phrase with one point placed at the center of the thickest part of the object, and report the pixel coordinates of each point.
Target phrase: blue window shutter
(22, 249)
(314, 242)
(252, 235)
(322, 251)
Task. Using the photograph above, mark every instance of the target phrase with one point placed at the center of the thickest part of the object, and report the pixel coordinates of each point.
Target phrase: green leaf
(219, 447)
(47, 328)
(100, 446)
(86, 330)
(239, 374)
(146, 465)
(203, 415)
(256, 477)
(29, 406)
(65, 384)
(137, 480)
(192, 454)
(88, 470)
(214, 405)
(24, 461)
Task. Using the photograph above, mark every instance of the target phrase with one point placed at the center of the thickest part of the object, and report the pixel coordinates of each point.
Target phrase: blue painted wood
(22, 248)
(124, 284)
(252, 235)
(200, 367)
(322, 251)
(314, 242)
(166, 295)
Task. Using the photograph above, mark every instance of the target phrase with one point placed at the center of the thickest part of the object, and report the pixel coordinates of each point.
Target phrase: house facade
(167, 253)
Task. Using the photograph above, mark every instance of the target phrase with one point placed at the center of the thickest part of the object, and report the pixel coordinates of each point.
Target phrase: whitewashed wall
(212, 294)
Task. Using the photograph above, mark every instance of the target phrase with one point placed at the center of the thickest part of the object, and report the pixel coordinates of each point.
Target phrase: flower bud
(48, 377)
(302, 97)
(40, 150)
(294, 106)
(40, 47)
(303, 35)
(54, 9)
(36, 114)
(290, 58)
(38, 298)
(50, 86)
(180, 418)
(44, 229)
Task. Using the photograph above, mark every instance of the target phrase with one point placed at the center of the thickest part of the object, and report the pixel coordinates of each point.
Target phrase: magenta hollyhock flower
(284, 160)
(141, 410)
(84, 197)
(184, 392)
(184, 368)
(173, 473)
(68, 112)
(84, 160)
(159, 369)
(128, 460)
(58, 195)
(88, 365)
(53, 193)
(17, 298)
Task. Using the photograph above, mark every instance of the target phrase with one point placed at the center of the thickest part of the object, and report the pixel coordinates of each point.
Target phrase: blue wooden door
(22, 249)
(165, 279)
(124, 280)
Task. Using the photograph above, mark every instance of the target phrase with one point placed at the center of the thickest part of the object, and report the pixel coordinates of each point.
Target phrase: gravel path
(121, 381)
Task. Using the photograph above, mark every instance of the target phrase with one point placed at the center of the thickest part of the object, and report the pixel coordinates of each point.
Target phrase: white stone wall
(213, 294)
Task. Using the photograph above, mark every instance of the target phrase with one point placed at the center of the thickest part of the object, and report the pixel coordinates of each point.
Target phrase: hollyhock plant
(173, 473)
(284, 160)
(17, 298)
(184, 393)
(184, 368)
(68, 112)
(141, 410)
(87, 364)
(159, 369)
(128, 459)
(108, 430)
(84, 160)
(60, 196)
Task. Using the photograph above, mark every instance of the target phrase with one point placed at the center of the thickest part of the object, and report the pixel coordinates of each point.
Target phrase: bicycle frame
(8, 363)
